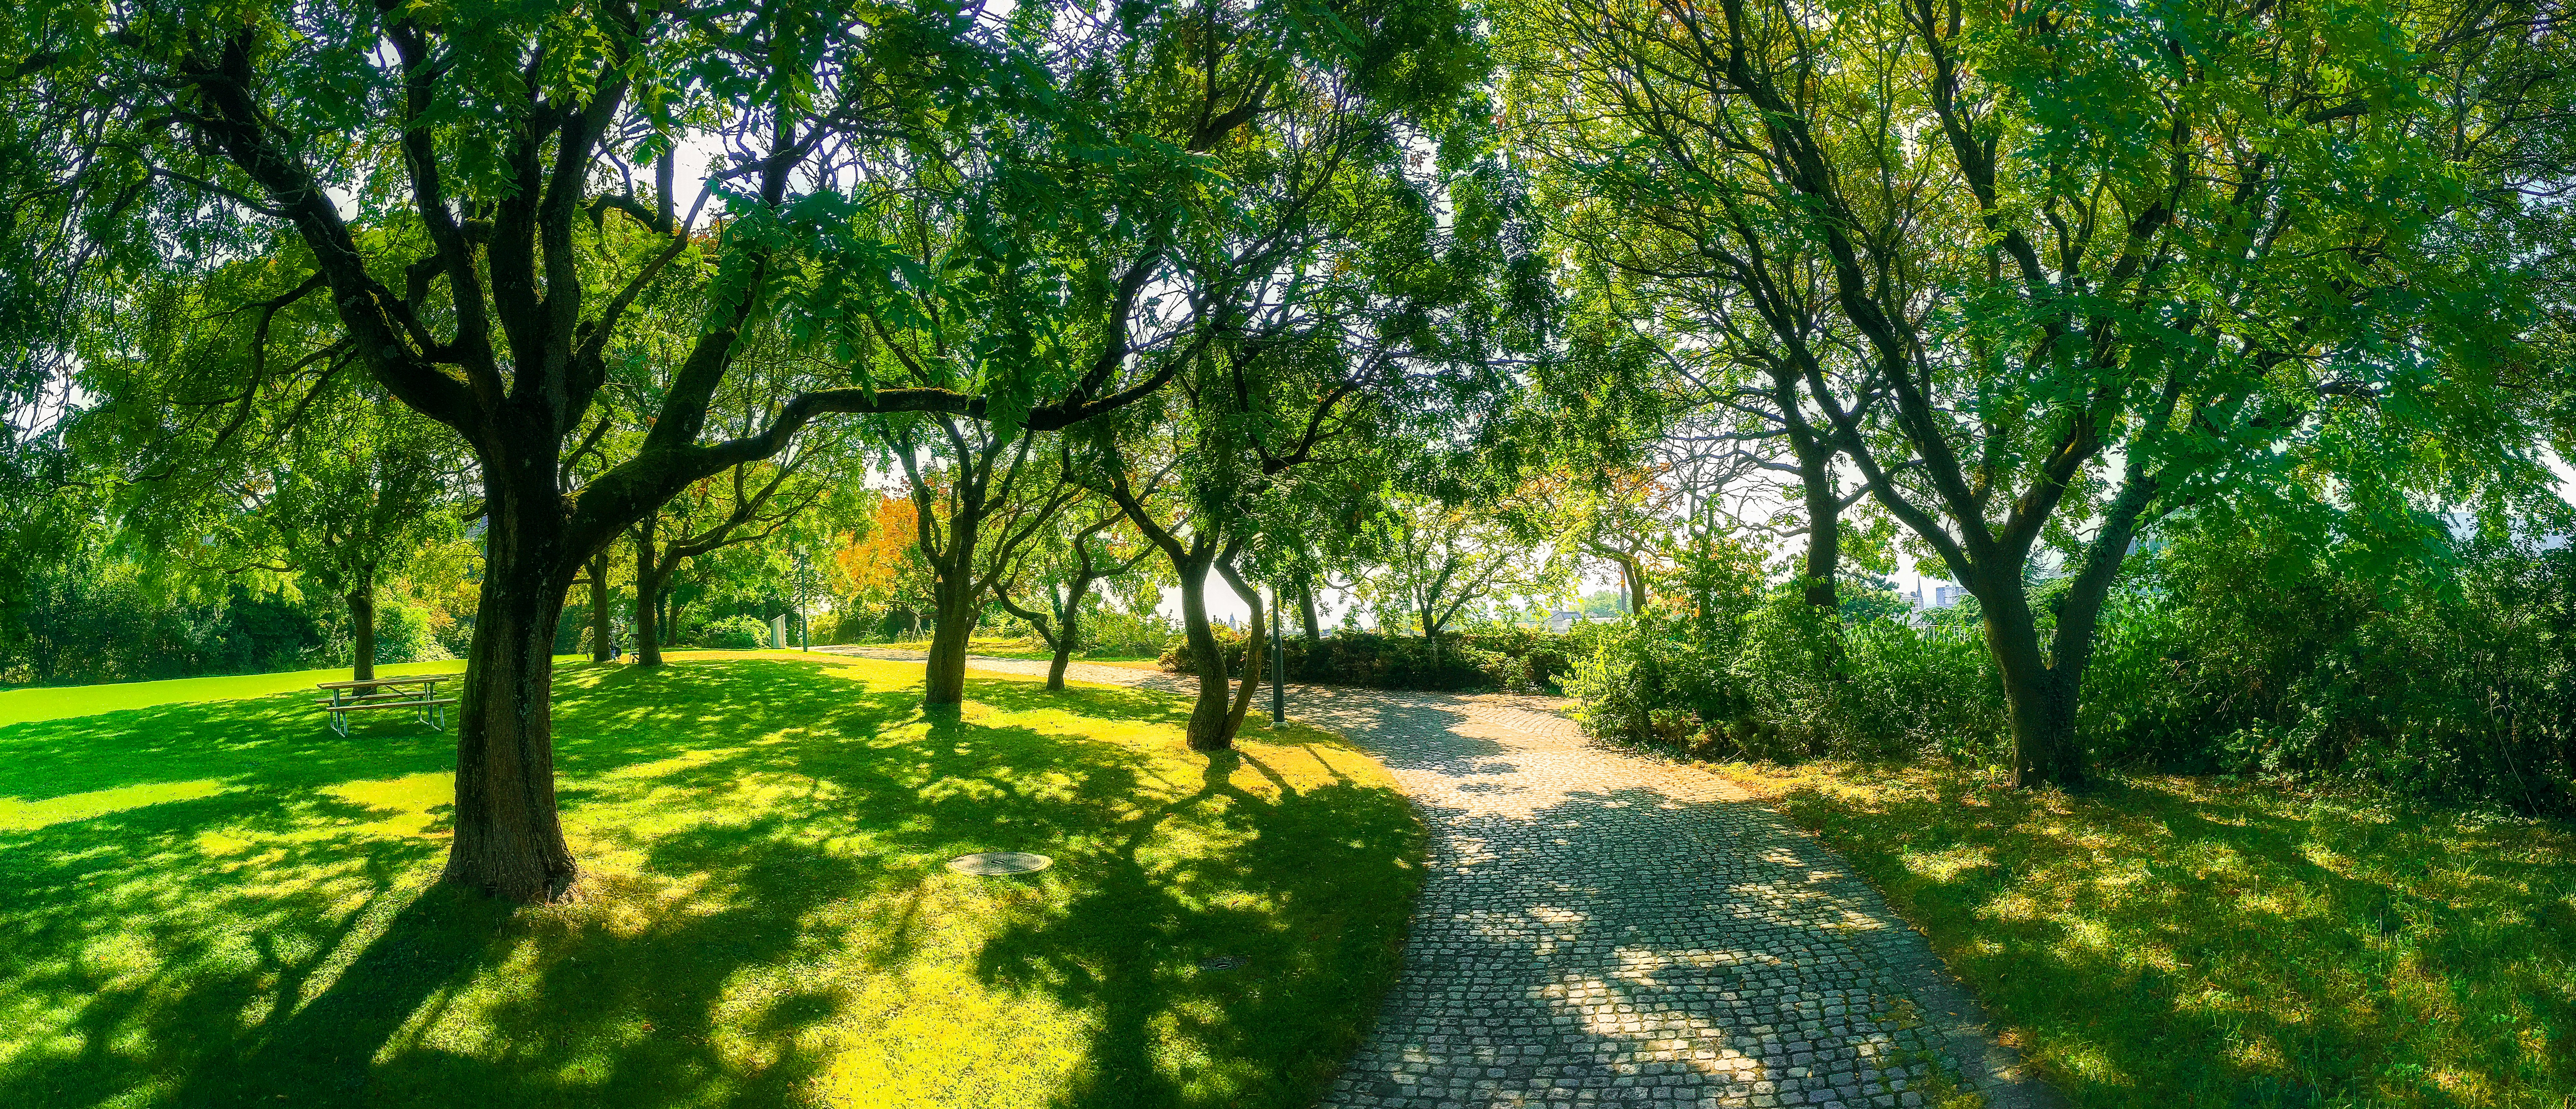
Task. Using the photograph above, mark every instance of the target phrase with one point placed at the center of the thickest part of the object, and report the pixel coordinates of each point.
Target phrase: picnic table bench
(418, 693)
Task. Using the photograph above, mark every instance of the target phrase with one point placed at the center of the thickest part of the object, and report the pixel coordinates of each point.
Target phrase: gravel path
(1605, 929)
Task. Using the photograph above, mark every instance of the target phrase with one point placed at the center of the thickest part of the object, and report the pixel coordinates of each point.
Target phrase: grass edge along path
(764, 919)
(1028, 649)
(2172, 941)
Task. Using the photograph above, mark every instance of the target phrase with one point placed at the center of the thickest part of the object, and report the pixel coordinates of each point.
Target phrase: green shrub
(2227, 651)
(2239, 653)
(734, 633)
(1787, 681)
(1108, 633)
(1641, 683)
(403, 635)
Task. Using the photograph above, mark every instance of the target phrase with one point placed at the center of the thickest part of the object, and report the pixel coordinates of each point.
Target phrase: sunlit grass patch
(2166, 941)
(224, 902)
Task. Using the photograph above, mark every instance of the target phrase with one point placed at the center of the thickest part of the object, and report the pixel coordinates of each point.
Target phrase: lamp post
(1278, 663)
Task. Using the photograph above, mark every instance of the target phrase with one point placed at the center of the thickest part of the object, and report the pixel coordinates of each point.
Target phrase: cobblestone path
(1607, 929)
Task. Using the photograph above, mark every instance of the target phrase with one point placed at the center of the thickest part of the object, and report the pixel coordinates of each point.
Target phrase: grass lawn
(2165, 941)
(991, 647)
(223, 903)
(17, 706)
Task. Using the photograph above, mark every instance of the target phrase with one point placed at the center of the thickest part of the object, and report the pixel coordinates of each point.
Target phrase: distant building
(1937, 595)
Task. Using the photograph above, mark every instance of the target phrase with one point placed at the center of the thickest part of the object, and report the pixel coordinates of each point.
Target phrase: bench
(418, 693)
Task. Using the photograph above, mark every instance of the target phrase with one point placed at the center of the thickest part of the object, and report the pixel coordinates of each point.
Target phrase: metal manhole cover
(1223, 962)
(999, 862)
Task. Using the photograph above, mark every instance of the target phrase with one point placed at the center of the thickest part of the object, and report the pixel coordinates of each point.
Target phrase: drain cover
(999, 862)
(1223, 962)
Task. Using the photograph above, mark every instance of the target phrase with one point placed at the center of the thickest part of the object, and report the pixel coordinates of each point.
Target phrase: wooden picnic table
(417, 692)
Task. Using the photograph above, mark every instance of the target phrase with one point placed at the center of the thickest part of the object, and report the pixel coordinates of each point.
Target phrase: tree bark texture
(602, 628)
(1209, 714)
(648, 595)
(508, 840)
(362, 629)
(1256, 652)
(1824, 513)
(944, 679)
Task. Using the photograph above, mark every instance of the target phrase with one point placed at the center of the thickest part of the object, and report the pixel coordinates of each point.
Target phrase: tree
(1065, 563)
(1358, 335)
(364, 487)
(1071, 238)
(747, 504)
(2044, 274)
(477, 143)
(882, 567)
(977, 499)
(229, 436)
(1440, 559)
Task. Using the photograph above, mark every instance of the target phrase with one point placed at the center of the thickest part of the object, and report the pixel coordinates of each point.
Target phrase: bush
(2226, 652)
(2237, 655)
(403, 635)
(1788, 681)
(734, 633)
(1517, 661)
(1107, 633)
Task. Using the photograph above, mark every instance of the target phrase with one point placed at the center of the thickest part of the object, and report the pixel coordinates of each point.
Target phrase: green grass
(18, 706)
(2165, 941)
(222, 903)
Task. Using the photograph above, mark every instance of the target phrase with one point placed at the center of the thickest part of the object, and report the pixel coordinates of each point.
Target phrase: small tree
(1439, 560)
(1064, 565)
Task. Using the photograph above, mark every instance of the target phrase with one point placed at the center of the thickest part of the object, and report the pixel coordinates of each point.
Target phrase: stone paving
(1601, 928)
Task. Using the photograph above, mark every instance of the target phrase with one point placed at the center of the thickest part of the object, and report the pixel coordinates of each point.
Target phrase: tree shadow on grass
(1206, 993)
(751, 822)
(2165, 943)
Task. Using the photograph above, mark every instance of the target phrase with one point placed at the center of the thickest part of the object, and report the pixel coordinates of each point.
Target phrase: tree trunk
(1306, 609)
(600, 633)
(953, 590)
(1068, 627)
(2038, 696)
(1632, 582)
(508, 840)
(362, 629)
(1256, 653)
(944, 678)
(648, 597)
(1207, 727)
(1824, 520)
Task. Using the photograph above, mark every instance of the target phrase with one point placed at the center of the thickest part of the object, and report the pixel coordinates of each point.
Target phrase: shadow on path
(1601, 928)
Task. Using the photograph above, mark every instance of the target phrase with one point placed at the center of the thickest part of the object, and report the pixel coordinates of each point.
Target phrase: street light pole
(1278, 663)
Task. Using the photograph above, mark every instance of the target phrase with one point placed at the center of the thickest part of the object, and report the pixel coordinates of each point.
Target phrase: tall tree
(1072, 233)
(972, 517)
(2044, 273)
(228, 433)
(479, 140)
